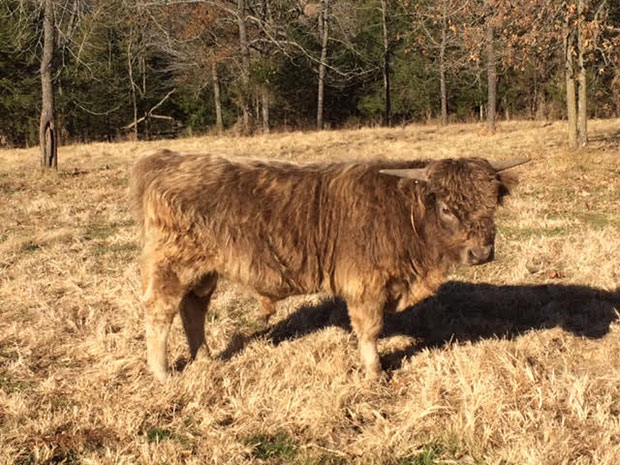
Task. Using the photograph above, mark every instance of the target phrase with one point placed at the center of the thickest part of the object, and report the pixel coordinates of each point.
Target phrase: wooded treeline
(155, 68)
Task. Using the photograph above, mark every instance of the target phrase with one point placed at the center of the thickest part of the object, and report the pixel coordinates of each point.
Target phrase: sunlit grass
(514, 362)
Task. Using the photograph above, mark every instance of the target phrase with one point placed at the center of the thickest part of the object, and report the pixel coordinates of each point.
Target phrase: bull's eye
(445, 211)
(446, 215)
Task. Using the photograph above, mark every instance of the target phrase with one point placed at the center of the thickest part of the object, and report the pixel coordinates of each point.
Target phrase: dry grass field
(513, 362)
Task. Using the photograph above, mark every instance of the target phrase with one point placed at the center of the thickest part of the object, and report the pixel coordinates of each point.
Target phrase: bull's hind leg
(161, 299)
(367, 322)
(193, 312)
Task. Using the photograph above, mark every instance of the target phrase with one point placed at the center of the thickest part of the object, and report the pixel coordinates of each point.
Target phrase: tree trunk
(219, 123)
(147, 126)
(582, 107)
(324, 30)
(387, 115)
(143, 71)
(442, 68)
(48, 137)
(245, 67)
(491, 77)
(571, 100)
(615, 85)
(264, 89)
(531, 106)
(132, 83)
(265, 110)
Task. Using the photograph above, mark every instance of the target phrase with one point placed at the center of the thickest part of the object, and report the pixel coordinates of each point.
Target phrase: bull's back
(279, 228)
(266, 219)
(252, 222)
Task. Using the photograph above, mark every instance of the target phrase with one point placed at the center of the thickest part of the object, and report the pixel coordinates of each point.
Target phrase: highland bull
(380, 234)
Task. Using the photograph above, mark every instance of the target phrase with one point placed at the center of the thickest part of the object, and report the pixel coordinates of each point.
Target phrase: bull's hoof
(202, 353)
(160, 376)
(375, 375)
(160, 373)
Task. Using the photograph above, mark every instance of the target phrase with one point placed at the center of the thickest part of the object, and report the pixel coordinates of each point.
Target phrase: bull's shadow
(462, 312)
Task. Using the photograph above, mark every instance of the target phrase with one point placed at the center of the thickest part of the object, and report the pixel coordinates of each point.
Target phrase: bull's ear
(418, 174)
(506, 164)
(508, 181)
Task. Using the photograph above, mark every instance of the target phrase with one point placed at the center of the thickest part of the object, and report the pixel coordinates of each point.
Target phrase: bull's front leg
(161, 300)
(367, 322)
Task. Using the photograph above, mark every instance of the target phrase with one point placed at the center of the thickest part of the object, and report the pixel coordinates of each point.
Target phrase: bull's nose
(480, 255)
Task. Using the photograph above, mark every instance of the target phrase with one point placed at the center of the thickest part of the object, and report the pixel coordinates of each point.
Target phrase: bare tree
(582, 106)
(442, 64)
(219, 122)
(245, 66)
(48, 136)
(491, 69)
(61, 22)
(387, 113)
(571, 97)
(201, 41)
(576, 82)
(269, 29)
(324, 35)
(132, 82)
(579, 27)
(437, 21)
(266, 49)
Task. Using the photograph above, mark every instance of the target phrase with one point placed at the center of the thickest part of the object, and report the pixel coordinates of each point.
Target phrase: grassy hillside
(514, 362)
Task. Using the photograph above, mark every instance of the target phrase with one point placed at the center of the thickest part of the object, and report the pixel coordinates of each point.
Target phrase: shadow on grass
(462, 312)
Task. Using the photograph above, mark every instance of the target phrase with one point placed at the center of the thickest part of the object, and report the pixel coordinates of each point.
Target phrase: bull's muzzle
(480, 255)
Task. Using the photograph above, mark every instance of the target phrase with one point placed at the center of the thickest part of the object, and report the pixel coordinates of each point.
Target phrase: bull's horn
(410, 173)
(505, 164)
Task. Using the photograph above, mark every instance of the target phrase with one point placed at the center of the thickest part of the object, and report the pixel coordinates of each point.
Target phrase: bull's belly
(272, 283)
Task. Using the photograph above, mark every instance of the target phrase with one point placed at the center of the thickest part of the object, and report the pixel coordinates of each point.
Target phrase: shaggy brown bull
(380, 234)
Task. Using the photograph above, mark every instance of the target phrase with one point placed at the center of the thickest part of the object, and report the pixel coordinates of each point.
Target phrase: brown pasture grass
(513, 362)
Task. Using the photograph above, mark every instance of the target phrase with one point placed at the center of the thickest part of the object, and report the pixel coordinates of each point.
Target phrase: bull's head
(461, 196)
